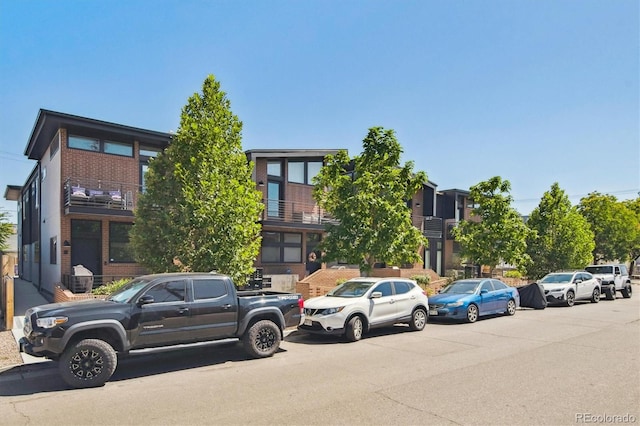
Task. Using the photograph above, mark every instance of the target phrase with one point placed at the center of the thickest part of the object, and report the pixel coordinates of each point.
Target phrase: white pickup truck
(612, 278)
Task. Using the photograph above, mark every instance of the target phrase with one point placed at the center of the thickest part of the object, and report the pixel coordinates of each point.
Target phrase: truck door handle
(227, 306)
(183, 310)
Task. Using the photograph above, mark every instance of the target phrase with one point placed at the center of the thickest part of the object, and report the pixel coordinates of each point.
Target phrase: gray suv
(614, 277)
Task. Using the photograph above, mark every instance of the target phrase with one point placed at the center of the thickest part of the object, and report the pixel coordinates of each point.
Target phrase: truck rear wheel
(262, 339)
(626, 291)
(87, 363)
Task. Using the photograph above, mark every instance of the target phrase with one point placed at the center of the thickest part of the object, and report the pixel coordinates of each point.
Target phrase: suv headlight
(330, 311)
(51, 322)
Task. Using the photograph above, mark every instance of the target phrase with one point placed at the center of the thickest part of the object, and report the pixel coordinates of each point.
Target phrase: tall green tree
(368, 195)
(6, 229)
(561, 237)
(200, 208)
(634, 250)
(613, 224)
(495, 230)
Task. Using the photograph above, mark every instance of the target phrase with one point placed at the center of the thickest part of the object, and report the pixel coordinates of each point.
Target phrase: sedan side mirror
(484, 291)
(145, 300)
(376, 294)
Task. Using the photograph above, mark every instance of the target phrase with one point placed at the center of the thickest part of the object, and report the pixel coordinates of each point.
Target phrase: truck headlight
(51, 322)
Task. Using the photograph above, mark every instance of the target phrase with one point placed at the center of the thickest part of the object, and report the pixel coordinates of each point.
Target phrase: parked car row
(362, 304)
(567, 287)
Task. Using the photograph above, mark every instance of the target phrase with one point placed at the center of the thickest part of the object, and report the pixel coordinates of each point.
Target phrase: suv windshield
(351, 289)
(557, 278)
(129, 290)
(605, 269)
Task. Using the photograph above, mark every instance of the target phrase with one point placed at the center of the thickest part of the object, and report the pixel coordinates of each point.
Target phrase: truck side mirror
(145, 300)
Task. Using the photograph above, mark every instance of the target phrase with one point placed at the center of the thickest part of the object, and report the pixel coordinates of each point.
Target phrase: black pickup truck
(153, 311)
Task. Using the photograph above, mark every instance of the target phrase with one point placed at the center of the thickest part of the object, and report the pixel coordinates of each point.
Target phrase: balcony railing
(295, 212)
(87, 195)
(431, 226)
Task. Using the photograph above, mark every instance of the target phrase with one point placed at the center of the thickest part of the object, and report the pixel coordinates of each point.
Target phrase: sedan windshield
(461, 287)
(351, 289)
(128, 291)
(557, 278)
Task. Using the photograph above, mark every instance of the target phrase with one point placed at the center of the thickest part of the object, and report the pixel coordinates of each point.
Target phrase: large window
(299, 171)
(119, 248)
(281, 247)
(97, 145)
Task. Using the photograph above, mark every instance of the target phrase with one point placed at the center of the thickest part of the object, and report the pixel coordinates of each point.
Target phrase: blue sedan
(470, 299)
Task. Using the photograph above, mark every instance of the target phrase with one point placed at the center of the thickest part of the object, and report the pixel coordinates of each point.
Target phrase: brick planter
(61, 294)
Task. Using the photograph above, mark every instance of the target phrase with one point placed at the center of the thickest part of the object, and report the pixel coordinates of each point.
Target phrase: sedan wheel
(511, 307)
(595, 297)
(472, 313)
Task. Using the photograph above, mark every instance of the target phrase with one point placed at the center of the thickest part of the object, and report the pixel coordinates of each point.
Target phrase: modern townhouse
(76, 207)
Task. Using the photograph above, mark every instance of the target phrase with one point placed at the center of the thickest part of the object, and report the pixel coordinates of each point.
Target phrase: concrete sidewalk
(25, 296)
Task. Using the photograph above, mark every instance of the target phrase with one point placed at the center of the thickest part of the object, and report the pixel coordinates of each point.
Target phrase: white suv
(361, 304)
(612, 278)
(567, 287)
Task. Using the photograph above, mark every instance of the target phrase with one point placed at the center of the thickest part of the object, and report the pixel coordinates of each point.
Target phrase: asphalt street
(554, 366)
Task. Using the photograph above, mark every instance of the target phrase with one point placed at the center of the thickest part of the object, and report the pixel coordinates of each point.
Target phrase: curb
(27, 371)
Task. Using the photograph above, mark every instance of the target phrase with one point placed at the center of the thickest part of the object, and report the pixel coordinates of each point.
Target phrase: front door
(86, 245)
(383, 309)
(164, 321)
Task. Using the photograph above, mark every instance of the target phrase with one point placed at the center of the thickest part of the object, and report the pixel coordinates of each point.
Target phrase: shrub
(513, 274)
(340, 281)
(111, 287)
(421, 279)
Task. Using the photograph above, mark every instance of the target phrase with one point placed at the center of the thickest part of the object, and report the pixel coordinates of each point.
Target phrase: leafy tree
(368, 196)
(495, 230)
(561, 237)
(634, 250)
(613, 224)
(6, 229)
(200, 207)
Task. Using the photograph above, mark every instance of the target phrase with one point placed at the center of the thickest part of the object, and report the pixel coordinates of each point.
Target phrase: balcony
(277, 212)
(101, 197)
(431, 226)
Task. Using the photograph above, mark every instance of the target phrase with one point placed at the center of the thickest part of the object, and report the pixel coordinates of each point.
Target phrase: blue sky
(535, 91)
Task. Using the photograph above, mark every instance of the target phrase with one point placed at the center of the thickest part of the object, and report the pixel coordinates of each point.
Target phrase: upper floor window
(55, 144)
(300, 171)
(274, 168)
(97, 145)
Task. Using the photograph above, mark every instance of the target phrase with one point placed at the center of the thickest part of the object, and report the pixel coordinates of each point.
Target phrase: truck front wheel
(87, 363)
(262, 339)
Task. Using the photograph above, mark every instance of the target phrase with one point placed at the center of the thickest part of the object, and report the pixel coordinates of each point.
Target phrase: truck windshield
(128, 291)
(599, 269)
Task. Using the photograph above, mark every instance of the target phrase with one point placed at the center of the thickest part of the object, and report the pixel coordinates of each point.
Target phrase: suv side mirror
(376, 294)
(577, 281)
(145, 300)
